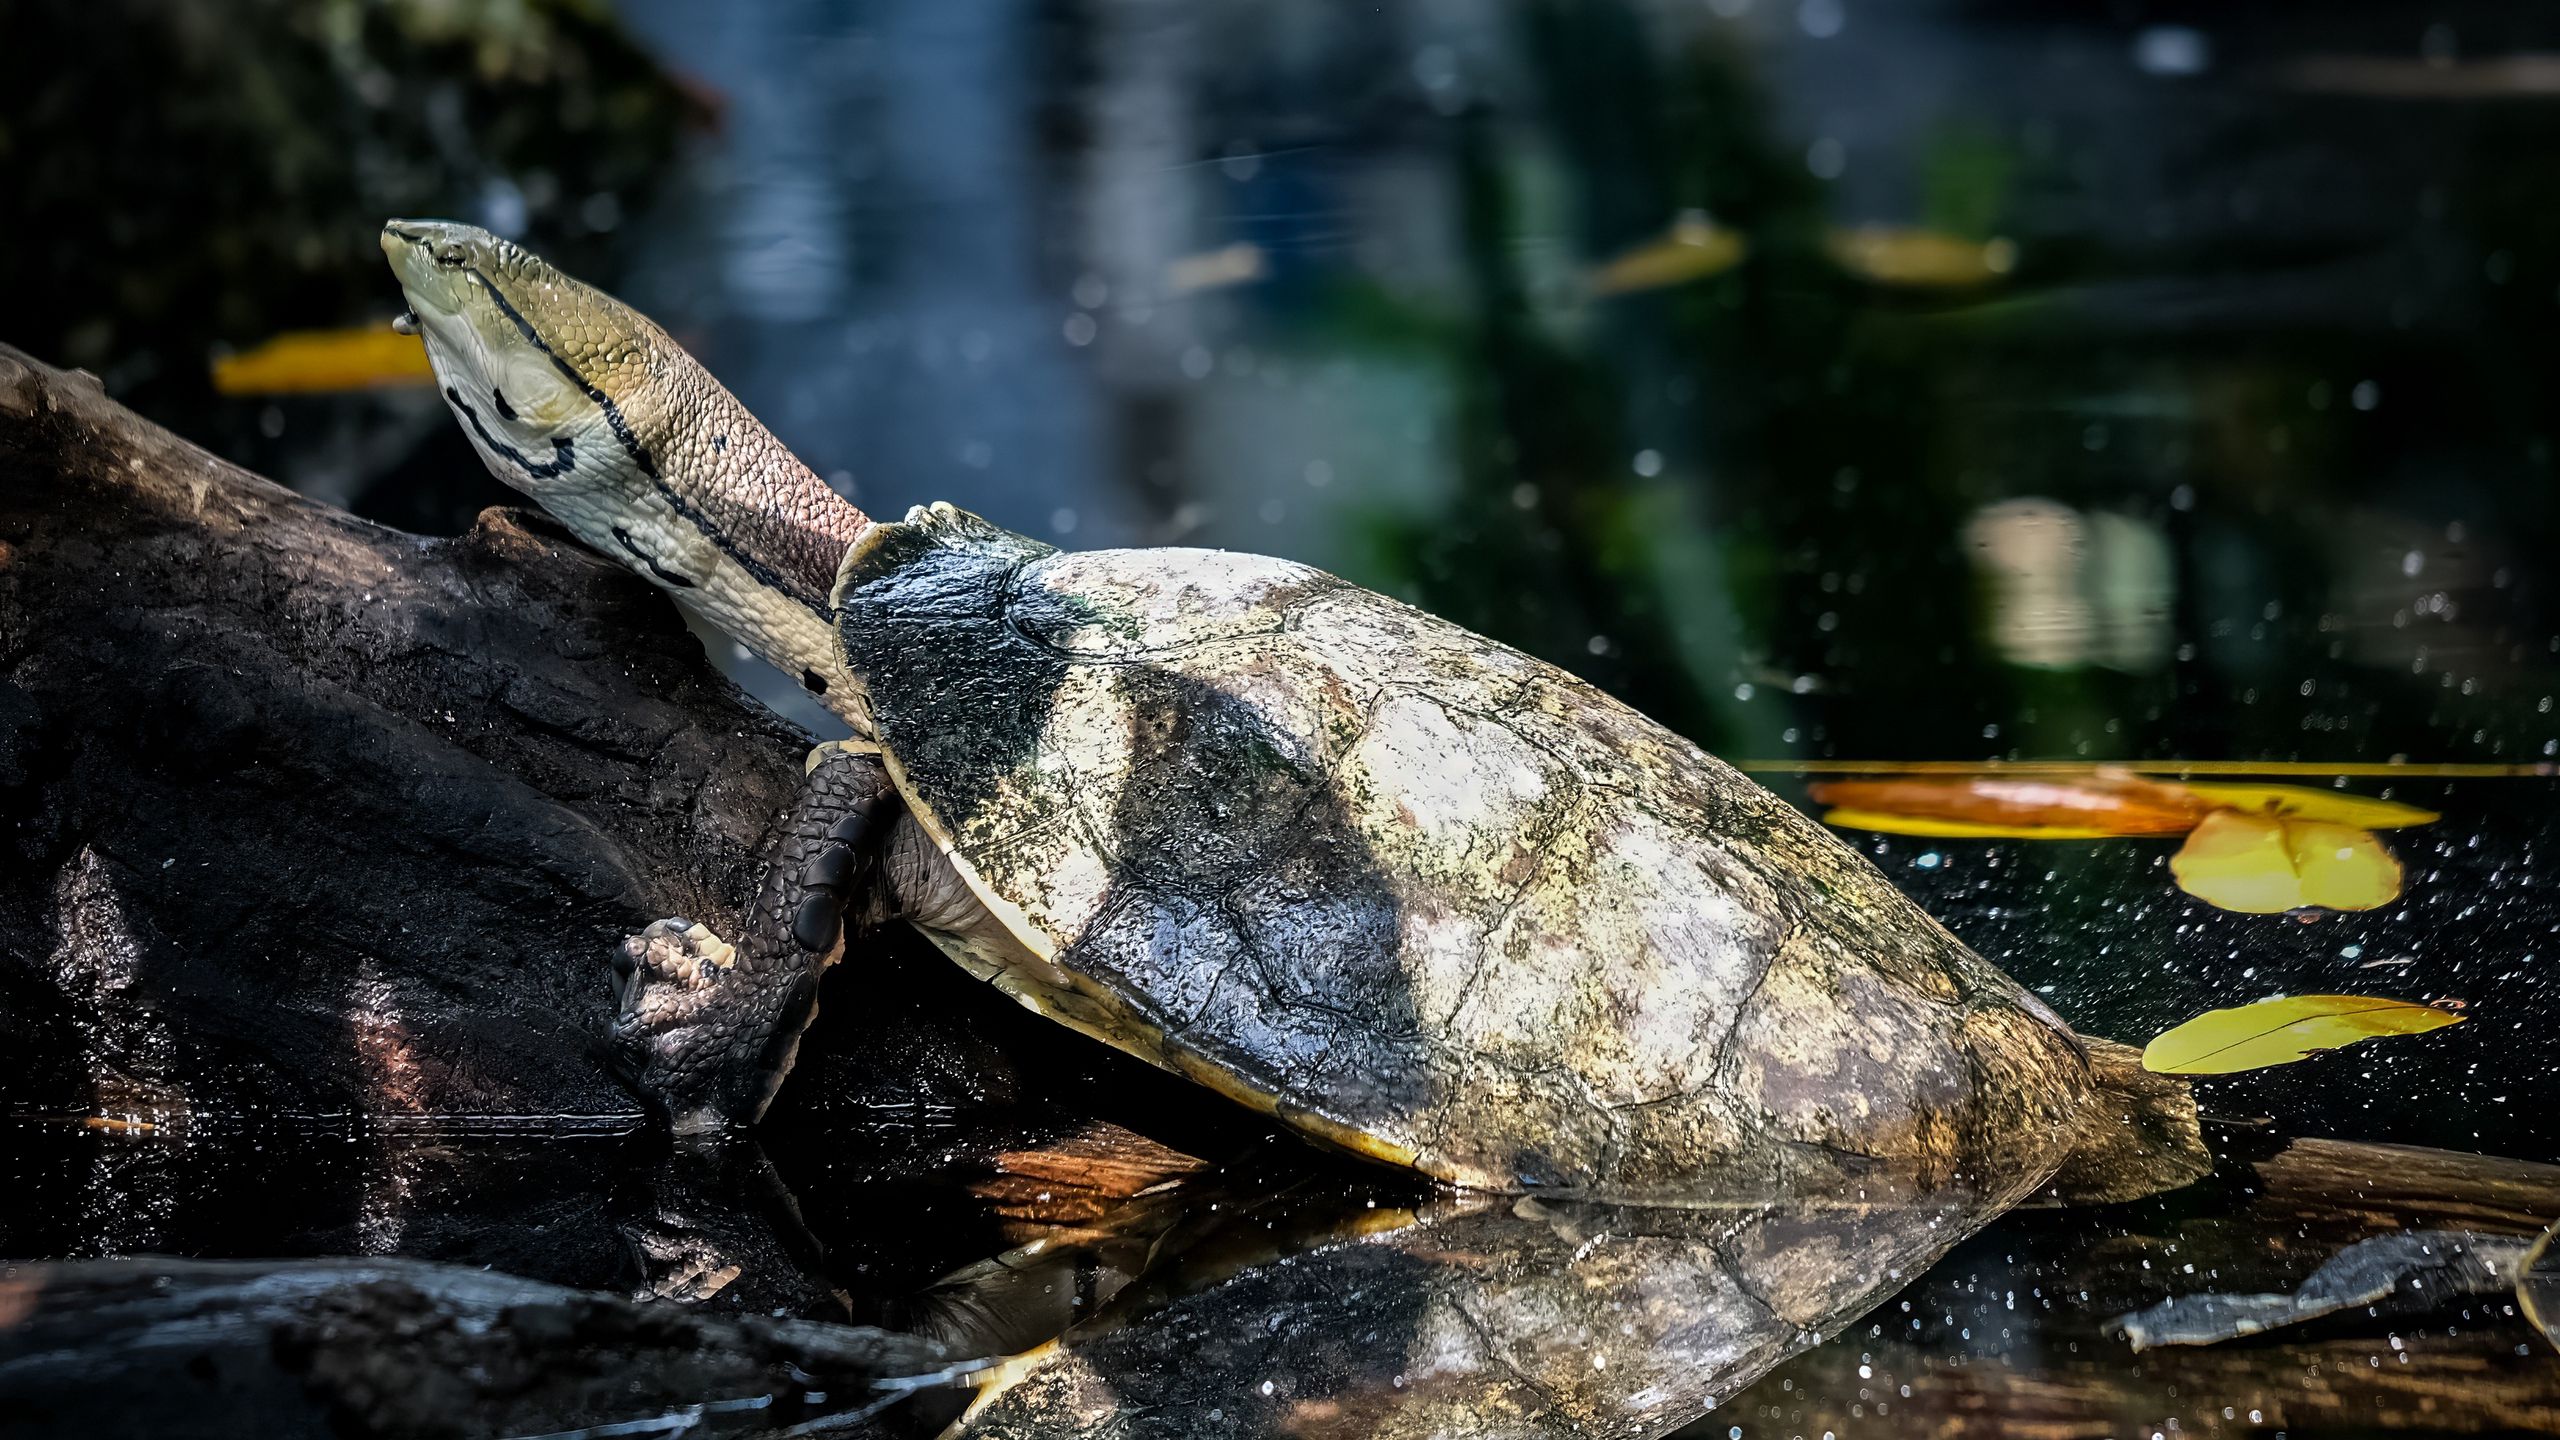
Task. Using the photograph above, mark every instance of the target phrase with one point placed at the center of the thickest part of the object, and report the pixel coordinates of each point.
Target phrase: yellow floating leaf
(2279, 1032)
(2342, 868)
(309, 362)
(2239, 862)
(1695, 248)
(2538, 1284)
(1927, 259)
(2262, 865)
(2301, 802)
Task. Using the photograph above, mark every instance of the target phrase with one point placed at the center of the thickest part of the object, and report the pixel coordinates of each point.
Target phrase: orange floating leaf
(2243, 865)
(1985, 806)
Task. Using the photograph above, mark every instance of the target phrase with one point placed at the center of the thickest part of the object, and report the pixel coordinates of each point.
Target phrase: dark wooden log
(306, 814)
(312, 831)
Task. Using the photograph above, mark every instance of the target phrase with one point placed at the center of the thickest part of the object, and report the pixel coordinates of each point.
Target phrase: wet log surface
(304, 813)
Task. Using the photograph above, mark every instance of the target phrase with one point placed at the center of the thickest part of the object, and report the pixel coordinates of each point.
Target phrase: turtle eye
(451, 253)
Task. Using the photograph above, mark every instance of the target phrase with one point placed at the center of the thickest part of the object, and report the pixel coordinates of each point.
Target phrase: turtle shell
(1417, 893)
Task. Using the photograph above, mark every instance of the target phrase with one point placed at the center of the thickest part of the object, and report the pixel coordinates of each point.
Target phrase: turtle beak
(427, 257)
(404, 244)
(398, 248)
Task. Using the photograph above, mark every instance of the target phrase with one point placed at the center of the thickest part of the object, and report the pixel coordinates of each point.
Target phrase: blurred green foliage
(186, 174)
(1743, 503)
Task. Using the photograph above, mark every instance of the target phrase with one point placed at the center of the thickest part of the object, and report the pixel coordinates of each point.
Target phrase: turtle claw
(679, 1265)
(666, 973)
(670, 1027)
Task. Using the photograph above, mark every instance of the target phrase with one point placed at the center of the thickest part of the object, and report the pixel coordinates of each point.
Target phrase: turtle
(1418, 895)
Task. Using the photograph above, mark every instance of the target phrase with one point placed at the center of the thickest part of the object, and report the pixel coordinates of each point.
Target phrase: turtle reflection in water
(1201, 1306)
(1247, 1312)
(1414, 893)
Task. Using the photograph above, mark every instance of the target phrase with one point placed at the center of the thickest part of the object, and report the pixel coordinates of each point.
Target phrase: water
(1224, 1255)
(1834, 381)
(2100, 930)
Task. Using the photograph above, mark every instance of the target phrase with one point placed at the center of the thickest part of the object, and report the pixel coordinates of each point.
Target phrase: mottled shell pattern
(1419, 894)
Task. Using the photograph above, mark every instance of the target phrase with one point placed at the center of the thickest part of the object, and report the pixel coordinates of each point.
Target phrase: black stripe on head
(764, 574)
(563, 456)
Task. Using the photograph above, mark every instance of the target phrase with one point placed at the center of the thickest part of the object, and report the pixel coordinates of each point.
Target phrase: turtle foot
(680, 1265)
(714, 1225)
(707, 1030)
(672, 1029)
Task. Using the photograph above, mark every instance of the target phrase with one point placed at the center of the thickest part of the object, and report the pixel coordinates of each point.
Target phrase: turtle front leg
(707, 1028)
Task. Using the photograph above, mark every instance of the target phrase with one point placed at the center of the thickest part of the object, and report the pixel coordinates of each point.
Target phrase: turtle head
(536, 366)
(579, 401)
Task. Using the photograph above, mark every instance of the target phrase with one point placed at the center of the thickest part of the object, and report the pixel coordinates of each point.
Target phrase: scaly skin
(579, 401)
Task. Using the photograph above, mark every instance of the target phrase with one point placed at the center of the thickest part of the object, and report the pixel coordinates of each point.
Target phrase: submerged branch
(400, 1348)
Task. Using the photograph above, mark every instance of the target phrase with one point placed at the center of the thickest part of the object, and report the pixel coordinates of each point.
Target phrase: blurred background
(1831, 379)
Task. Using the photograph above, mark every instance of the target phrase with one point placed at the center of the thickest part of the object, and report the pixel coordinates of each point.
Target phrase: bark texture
(302, 813)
